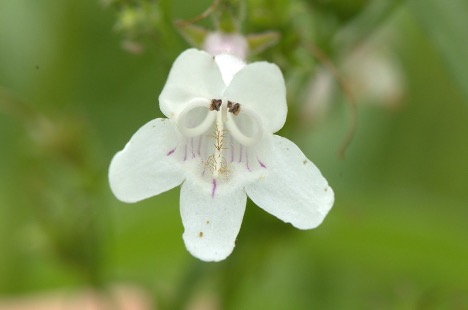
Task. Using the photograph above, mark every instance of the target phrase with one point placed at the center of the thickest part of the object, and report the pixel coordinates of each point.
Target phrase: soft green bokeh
(70, 97)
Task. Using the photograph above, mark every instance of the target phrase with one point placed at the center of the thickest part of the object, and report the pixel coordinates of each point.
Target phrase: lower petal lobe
(146, 166)
(212, 217)
(291, 188)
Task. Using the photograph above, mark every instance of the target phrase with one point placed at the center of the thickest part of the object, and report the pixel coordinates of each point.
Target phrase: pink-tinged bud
(217, 43)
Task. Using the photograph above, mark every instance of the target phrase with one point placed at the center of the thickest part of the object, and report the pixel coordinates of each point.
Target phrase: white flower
(218, 142)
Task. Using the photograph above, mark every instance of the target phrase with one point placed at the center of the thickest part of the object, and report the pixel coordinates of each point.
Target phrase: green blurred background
(78, 78)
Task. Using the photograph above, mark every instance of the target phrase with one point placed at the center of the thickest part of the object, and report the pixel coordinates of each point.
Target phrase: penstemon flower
(218, 142)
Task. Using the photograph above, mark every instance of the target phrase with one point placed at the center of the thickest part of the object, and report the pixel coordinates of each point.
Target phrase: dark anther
(233, 107)
(215, 104)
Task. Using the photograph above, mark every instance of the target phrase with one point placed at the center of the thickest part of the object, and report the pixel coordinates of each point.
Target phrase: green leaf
(259, 42)
(446, 25)
(193, 34)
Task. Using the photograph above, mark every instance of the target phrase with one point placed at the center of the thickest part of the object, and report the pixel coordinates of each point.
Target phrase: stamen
(233, 107)
(214, 156)
(200, 128)
(215, 104)
(238, 135)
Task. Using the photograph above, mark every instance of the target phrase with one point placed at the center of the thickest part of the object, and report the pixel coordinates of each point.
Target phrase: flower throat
(225, 136)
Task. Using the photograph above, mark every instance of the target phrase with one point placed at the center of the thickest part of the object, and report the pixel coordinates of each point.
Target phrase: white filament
(238, 135)
(203, 126)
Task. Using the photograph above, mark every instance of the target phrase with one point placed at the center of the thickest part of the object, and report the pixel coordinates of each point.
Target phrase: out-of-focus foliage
(445, 24)
(71, 96)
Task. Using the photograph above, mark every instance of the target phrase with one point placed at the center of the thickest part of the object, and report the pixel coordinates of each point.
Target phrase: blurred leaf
(343, 9)
(229, 15)
(193, 34)
(446, 25)
(261, 41)
(370, 19)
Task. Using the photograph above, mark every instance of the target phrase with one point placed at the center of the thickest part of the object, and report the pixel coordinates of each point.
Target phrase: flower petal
(292, 188)
(261, 87)
(194, 74)
(212, 217)
(145, 167)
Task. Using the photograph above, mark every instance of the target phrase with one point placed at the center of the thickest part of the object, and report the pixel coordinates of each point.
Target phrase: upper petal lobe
(194, 74)
(261, 87)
